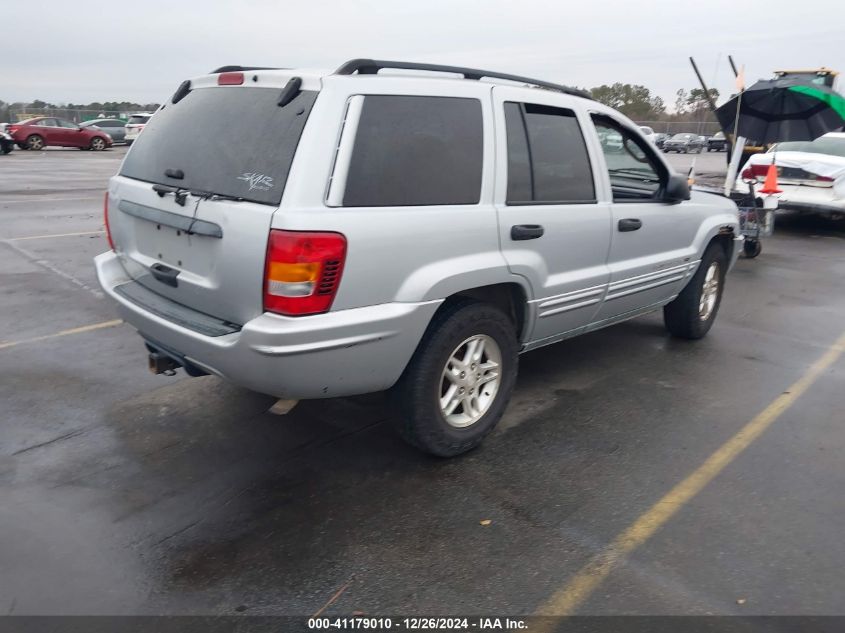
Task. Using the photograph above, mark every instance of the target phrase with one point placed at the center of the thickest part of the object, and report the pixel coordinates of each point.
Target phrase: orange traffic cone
(770, 185)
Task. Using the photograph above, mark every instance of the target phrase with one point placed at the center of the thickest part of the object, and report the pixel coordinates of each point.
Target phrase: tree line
(638, 103)
(107, 107)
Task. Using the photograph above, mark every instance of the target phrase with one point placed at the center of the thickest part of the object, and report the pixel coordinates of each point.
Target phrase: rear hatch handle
(165, 274)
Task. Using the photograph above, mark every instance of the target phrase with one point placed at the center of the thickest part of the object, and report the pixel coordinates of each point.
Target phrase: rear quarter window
(413, 151)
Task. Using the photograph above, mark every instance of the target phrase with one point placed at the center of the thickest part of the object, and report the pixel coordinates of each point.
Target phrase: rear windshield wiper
(179, 194)
(182, 194)
(210, 195)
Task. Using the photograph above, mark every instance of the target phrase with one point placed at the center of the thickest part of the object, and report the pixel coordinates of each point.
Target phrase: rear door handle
(629, 224)
(526, 232)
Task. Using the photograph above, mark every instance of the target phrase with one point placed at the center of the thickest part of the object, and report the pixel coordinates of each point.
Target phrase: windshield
(234, 142)
(831, 146)
(682, 137)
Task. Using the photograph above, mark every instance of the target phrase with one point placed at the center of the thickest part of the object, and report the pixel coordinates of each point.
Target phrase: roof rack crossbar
(240, 69)
(373, 66)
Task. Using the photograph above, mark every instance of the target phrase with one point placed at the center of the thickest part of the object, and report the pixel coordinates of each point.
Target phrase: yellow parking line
(76, 330)
(574, 592)
(41, 237)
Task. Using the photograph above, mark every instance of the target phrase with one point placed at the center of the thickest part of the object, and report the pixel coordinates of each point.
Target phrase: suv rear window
(412, 151)
(135, 119)
(230, 141)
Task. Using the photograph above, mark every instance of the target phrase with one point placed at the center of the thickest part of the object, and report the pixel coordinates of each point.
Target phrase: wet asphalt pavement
(125, 493)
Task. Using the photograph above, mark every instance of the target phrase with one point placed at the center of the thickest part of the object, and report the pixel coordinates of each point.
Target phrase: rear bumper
(834, 207)
(341, 353)
(806, 199)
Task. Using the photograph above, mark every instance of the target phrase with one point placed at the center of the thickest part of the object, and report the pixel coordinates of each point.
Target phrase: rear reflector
(303, 271)
(106, 220)
(230, 79)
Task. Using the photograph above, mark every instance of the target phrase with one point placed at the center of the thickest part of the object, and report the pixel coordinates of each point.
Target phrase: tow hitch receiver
(161, 364)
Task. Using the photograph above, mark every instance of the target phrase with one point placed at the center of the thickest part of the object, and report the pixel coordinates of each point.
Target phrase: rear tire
(445, 363)
(692, 313)
(35, 142)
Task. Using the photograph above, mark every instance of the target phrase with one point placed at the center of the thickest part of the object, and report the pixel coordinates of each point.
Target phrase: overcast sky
(86, 51)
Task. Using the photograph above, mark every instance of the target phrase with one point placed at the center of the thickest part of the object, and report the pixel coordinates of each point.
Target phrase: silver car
(116, 128)
(352, 232)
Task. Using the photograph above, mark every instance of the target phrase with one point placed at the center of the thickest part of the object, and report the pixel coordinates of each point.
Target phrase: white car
(811, 174)
(648, 133)
(135, 125)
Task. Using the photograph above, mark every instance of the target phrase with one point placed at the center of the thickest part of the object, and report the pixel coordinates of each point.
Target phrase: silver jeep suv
(312, 235)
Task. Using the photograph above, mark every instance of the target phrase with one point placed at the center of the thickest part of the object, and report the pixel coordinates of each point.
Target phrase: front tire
(459, 381)
(97, 144)
(692, 313)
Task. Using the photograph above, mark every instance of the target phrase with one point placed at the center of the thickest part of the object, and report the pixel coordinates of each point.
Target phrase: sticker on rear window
(261, 182)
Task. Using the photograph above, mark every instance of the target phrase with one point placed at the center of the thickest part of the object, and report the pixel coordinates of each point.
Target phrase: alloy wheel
(470, 380)
(709, 292)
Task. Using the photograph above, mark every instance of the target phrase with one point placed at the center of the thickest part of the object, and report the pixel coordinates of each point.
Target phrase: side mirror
(676, 189)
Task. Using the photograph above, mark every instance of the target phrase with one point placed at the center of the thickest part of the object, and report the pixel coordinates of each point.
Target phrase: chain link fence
(702, 128)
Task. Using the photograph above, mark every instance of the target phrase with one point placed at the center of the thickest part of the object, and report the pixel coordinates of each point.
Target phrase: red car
(40, 132)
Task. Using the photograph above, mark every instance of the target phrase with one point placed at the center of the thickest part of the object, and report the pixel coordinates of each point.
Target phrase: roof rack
(240, 69)
(372, 66)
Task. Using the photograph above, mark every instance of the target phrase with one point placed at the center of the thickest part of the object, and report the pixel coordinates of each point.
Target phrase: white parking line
(47, 265)
(42, 237)
(76, 330)
(38, 199)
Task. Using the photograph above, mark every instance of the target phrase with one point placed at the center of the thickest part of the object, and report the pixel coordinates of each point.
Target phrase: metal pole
(703, 85)
(733, 66)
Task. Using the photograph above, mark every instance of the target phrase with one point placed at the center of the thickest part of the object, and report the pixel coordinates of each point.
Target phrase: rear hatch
(190, 210)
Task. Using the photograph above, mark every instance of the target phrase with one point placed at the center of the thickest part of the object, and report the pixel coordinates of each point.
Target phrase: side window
(634, 173)
(66, 124)
(46, 123)
(413, 151)
(547, 156)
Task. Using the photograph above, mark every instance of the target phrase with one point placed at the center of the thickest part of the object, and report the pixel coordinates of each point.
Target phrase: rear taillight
(824, 179)
(303, 271)
(11, 129)
(106, 220)
(755, 171)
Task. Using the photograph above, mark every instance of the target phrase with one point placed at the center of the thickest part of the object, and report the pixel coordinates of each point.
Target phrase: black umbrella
(786, 109)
